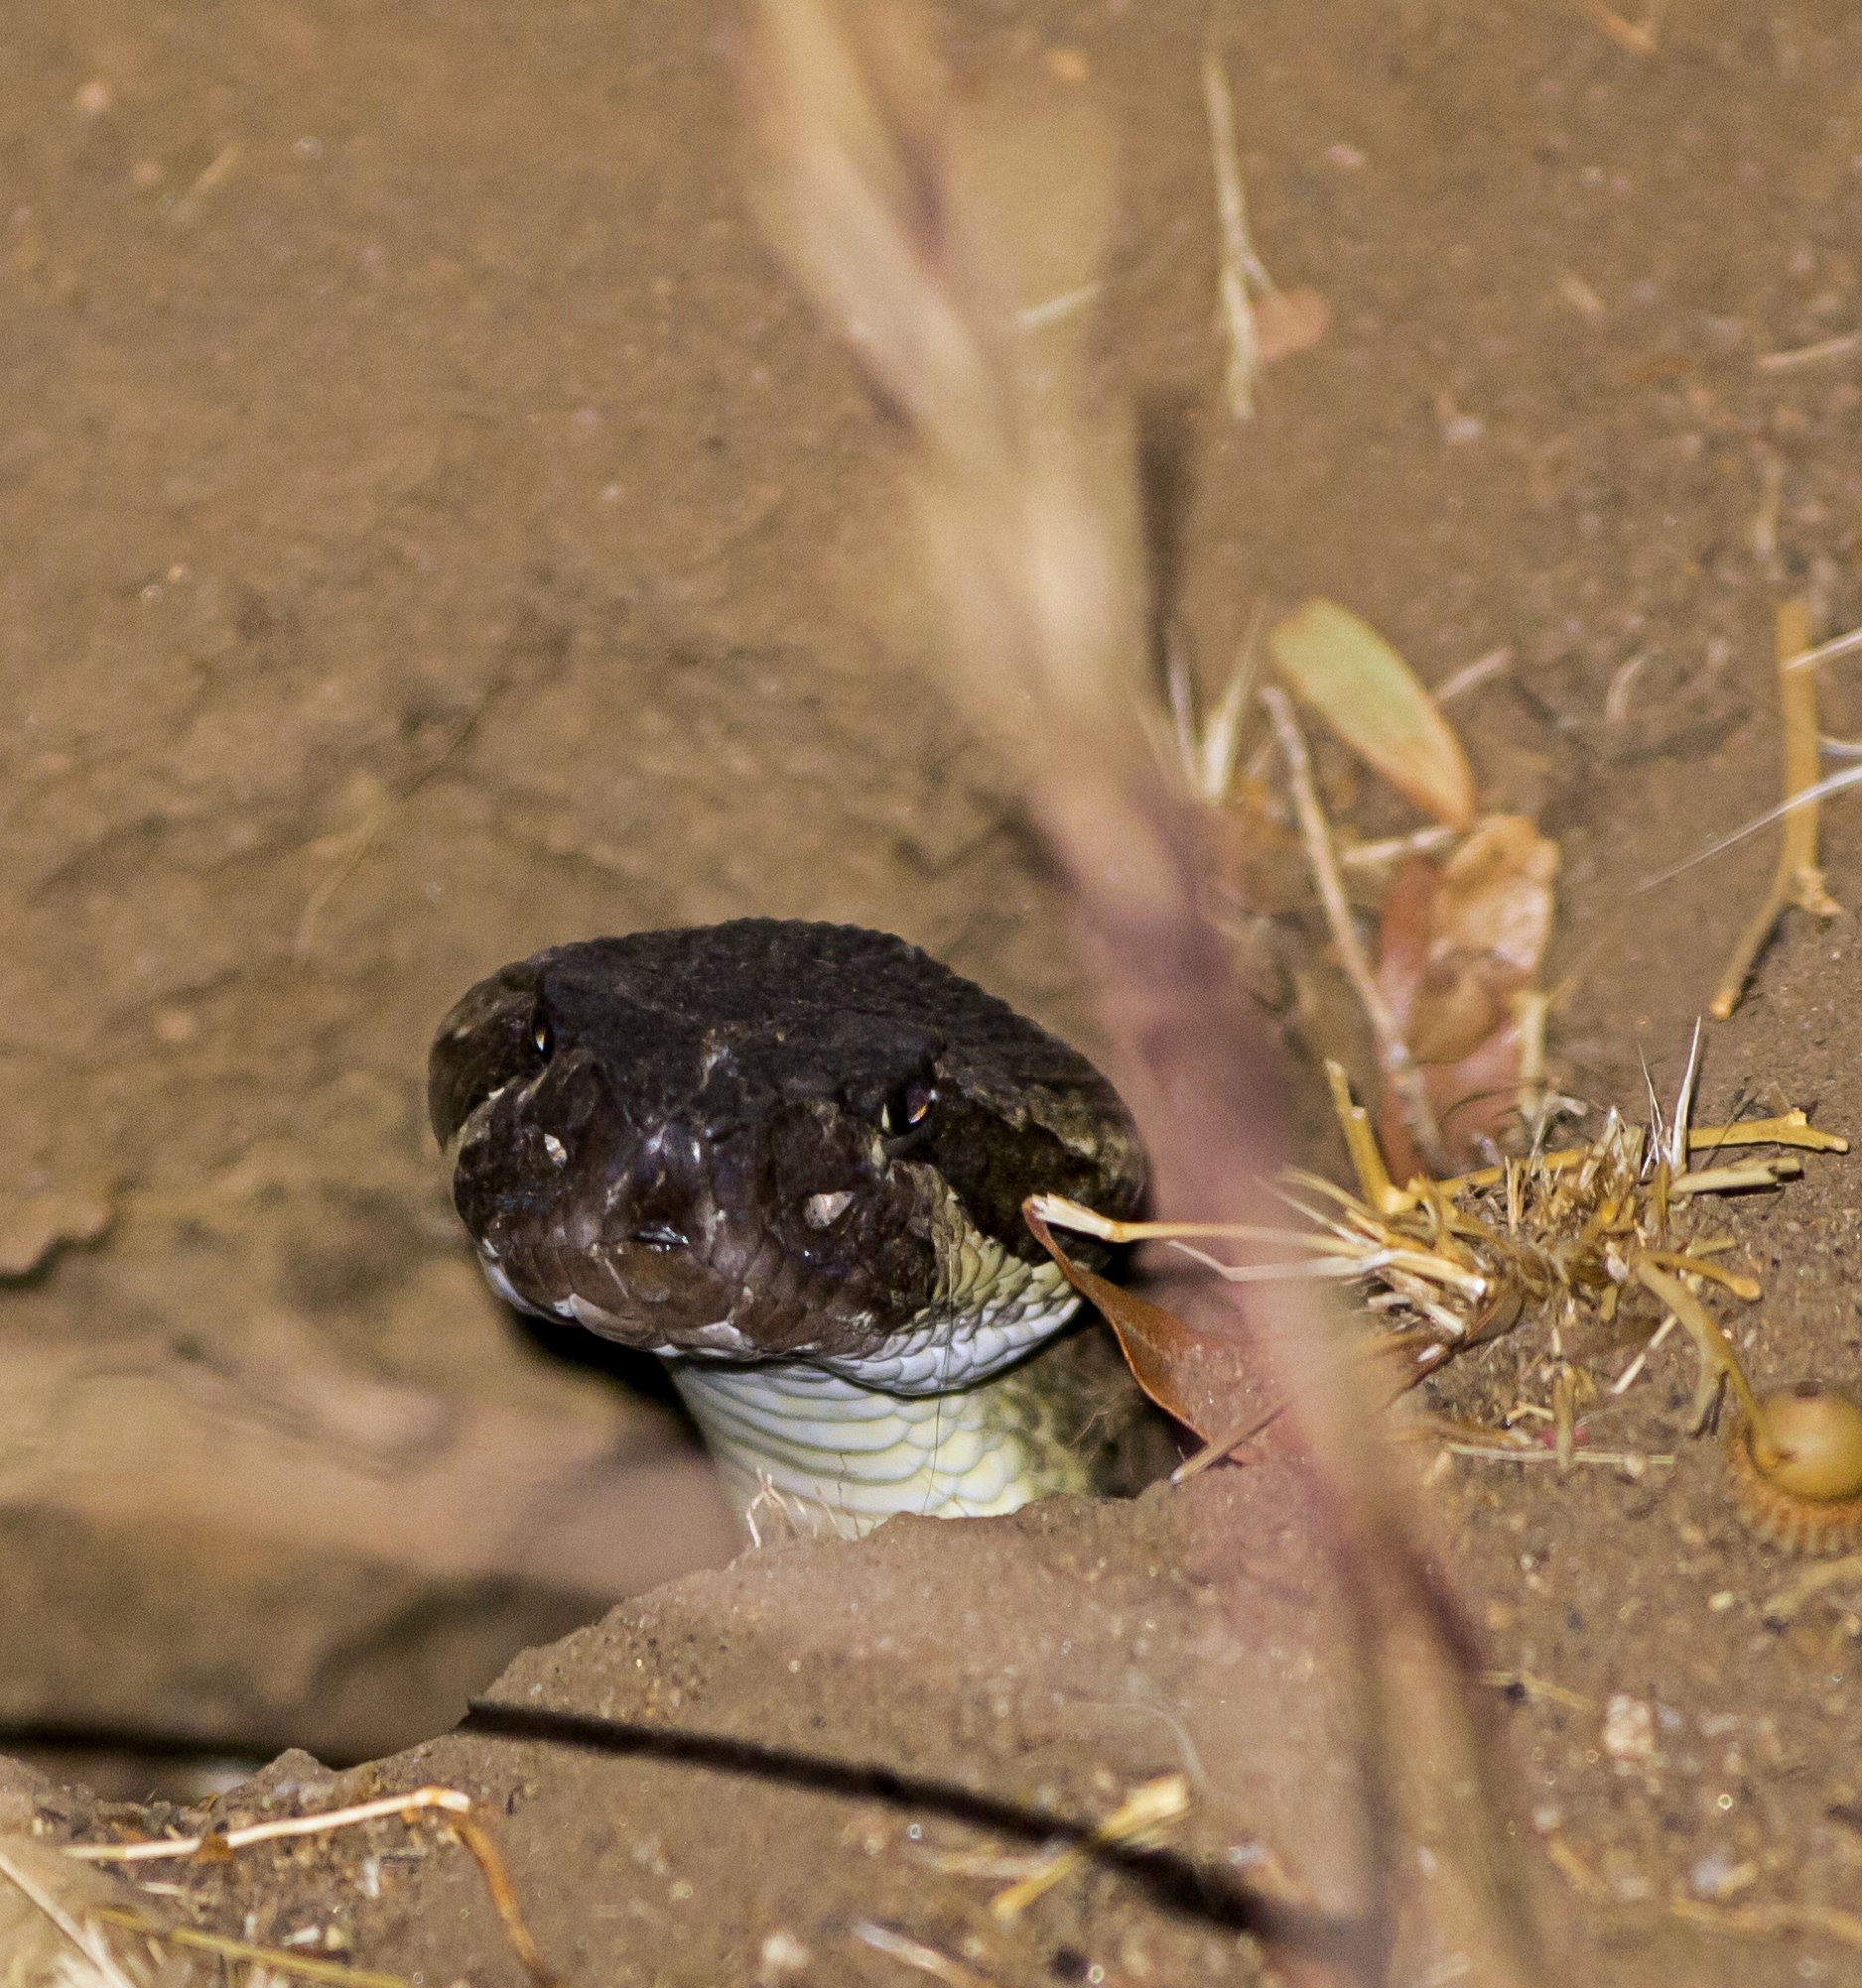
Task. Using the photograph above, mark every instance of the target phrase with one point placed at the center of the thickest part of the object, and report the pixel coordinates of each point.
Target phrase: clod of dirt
(35, 1230)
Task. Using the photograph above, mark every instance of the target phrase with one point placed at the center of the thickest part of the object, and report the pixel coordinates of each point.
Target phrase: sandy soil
(435, 531)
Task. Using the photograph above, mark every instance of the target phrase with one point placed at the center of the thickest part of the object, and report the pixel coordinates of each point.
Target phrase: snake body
(791, 1159)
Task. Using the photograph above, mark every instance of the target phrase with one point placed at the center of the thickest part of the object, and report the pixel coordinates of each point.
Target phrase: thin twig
(1800, 878)
(86, 1938)
(931, 1960)
(460, 1819)
(310, 1968)
(1393, 1051)
(1640, 39)
(1839, 346)
(1767, 1921)
(1633, 1462)
(1769, 1171)
(1239, 265)
(147, 1848)
(1470, 675)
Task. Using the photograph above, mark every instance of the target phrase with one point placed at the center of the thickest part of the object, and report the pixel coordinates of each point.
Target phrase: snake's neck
(841, 1455)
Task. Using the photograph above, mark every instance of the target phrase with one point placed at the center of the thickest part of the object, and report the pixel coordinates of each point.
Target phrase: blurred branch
(914, 227)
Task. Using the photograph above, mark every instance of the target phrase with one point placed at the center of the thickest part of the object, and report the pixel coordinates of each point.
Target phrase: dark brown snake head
(760, 1138)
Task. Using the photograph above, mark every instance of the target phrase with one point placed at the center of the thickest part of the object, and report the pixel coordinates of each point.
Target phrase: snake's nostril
(661, 1236)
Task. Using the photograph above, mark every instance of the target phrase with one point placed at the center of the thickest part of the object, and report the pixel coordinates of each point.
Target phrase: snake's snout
(579, 1214)
(679, 1233)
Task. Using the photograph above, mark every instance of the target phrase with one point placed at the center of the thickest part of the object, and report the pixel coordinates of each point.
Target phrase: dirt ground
(435, 530)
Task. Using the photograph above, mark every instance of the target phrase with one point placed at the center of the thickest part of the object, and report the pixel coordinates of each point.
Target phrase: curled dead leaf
(1459, 943)
(1155, 1342)
(1496, 899)
(1200, 1379)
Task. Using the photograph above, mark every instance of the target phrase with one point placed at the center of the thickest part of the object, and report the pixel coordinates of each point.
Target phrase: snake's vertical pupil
(909, 1107)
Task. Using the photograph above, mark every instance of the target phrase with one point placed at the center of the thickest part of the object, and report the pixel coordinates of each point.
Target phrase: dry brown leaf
(1458, 942)
(1288, 321)
(1496, 897)
(1189, 1375)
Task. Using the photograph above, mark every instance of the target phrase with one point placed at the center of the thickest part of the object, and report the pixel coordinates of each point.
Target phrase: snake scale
(791, 1159)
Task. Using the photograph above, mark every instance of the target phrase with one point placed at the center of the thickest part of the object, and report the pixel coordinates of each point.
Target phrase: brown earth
(435, 530)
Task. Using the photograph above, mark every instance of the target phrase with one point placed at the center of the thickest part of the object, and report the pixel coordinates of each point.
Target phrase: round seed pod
(1797, 1470)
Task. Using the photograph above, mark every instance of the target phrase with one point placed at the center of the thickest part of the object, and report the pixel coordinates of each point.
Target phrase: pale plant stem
(1799, 876)
(1239, 265)
(86, 1939)
(1393, 1051)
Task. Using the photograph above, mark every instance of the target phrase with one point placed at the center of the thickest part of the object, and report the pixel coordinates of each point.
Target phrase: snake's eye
(908, 1108)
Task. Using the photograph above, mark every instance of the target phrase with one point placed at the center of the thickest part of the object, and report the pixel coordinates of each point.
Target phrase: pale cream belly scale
(939, 1426)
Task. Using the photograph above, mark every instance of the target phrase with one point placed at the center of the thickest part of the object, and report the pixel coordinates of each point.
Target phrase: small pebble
(781, 1954)
(1629, 1729)
(1716, 1875)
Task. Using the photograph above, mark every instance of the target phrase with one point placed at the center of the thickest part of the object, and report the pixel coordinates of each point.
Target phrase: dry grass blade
(922, 1957)
(1239, 265)
(1799, 876)
(902, 220)
(1834, 650)
(1138, 1819)
(78, 1951)
(454, 1806)
(1559, 1240)
(305, 1967)
(1393, 1051)
(885, 204)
